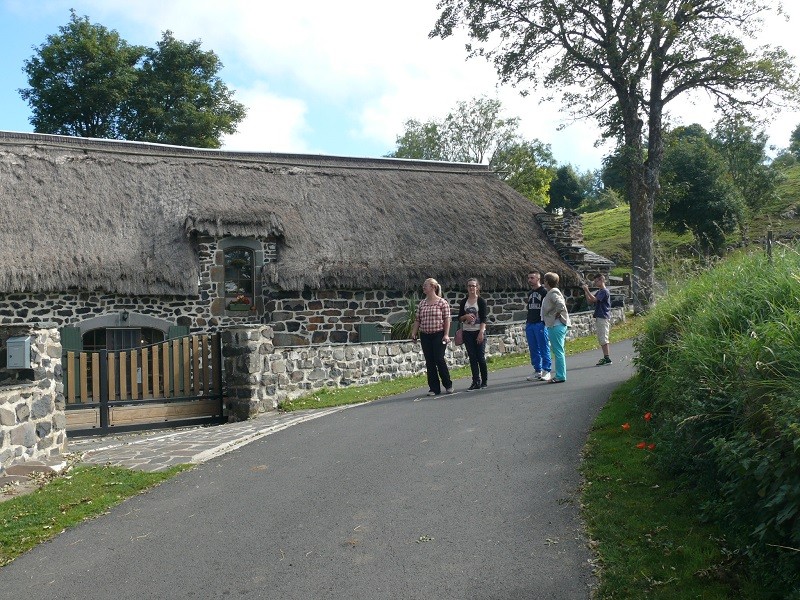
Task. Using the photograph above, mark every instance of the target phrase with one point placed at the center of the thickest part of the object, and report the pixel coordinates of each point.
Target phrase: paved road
(469, 496)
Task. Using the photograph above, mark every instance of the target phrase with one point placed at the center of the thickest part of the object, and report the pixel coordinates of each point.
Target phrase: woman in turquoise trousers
(556, 320)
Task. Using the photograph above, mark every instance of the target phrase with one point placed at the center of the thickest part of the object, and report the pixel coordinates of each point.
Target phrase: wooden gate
(176, 382)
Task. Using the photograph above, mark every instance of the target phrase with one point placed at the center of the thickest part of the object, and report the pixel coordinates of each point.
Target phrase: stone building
(113, 250)
(111, 241)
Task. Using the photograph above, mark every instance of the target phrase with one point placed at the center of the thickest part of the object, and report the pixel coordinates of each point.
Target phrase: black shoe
(483, 385)
(474, 386)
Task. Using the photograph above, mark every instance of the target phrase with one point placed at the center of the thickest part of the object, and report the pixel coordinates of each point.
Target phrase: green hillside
(608, 232)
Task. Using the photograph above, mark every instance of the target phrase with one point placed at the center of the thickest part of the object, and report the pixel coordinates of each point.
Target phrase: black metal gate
(176, 382)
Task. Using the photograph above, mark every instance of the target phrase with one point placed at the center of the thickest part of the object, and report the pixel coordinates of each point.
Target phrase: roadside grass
(644, 525)
(66, 500)
(330, 397)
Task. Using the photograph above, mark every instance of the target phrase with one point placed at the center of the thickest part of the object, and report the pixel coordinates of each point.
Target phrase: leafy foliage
(472, 132)
(87, 81)
(622, 63)
(179, 98)
(402, 329)
(719, 364)
(421, 141)
(745, 154)
(528, 167)
(698, 193)
(643, 523)
(565, 189)
(475, 132)
(78, 80)
(794, 142)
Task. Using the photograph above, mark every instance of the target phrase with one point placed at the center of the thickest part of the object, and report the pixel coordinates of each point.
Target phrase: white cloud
(273, 124)
(370, 64)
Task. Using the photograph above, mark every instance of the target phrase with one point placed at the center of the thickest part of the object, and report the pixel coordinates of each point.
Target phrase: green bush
(719, 362)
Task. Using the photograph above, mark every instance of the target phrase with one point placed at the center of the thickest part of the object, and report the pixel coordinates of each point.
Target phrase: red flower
(641, 445)
(651, 446)
(626, 426)
(648, 416)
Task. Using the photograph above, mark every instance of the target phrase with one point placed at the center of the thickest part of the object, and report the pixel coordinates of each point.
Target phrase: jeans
(558, 334)
(539, 346)
(435, 365)
(477, 356)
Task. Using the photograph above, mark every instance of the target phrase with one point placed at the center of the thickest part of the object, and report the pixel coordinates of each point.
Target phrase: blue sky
(326, 77)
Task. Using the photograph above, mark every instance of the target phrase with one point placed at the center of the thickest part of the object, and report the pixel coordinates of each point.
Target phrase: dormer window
(239, 275)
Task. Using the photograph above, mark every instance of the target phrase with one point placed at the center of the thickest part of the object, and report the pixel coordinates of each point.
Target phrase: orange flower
(651, 446)
(641, 445)
(648, 416)
(626, 426)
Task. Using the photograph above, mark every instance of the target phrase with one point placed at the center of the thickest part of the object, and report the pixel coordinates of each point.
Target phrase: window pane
(239, 272)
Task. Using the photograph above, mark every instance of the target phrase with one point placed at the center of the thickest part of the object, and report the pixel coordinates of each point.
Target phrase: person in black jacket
(472, 314)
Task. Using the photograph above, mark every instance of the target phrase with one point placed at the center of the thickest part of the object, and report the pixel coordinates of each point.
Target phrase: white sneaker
(546, 376)
(535, 377)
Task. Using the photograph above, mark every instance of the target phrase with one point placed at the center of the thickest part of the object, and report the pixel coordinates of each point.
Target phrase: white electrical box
(18, 352)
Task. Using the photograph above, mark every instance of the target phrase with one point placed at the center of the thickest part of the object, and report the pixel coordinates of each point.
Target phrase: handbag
(459, 338)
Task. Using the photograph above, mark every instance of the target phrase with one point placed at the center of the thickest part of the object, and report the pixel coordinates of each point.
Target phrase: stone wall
(32, 421)
(297, 318)
(203, 312)
(259, 374)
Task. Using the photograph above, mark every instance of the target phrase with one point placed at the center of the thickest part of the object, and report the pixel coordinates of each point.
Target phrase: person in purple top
(602, 314)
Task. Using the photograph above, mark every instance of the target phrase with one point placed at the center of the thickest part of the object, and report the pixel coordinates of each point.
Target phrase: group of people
(546, 329)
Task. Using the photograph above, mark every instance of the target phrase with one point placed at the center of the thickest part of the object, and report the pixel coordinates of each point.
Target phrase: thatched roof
(121, 217)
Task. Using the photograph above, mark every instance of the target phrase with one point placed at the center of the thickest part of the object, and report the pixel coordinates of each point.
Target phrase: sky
(333, 77)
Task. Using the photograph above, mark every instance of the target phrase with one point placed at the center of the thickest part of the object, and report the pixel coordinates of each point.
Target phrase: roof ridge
(278, 158)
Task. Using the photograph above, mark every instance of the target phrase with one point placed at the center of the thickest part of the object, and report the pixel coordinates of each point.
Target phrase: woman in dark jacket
(472, 314)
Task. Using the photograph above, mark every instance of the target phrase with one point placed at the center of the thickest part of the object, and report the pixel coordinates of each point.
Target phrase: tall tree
(566, 189)
(794, 142)
(179, 97)
(475, 130)
(528, 167)
(622, 62)
(89, 82)
(421, 141)
(472, 132)
(79, 78)
(745, 153)
(698, 193)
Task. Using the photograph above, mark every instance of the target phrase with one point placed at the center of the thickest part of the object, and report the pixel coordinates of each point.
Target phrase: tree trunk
(640, 200)
(643, 280)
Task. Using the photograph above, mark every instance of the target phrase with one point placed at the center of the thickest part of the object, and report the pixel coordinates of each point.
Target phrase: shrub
(720, 367)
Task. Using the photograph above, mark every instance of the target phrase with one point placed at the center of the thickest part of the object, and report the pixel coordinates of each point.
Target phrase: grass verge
(644, 525)
(329, 397)
(66, 500)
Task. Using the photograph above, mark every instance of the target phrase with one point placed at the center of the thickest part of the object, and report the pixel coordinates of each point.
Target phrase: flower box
(241, 307)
